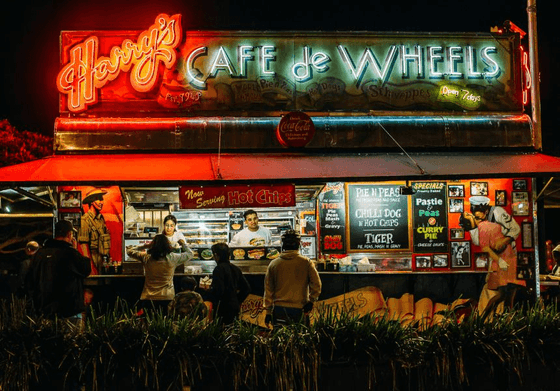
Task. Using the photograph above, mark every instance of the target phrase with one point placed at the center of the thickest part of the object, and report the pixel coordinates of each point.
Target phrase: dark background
(30, 32)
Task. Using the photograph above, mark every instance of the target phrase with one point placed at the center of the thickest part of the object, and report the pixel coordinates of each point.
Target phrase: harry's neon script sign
(86, 73)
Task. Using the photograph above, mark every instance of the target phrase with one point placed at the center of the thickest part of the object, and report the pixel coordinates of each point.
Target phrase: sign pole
(535, 73)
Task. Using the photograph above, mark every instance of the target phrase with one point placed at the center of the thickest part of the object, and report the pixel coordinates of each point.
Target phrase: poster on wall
(100, 221)
(378, 217)
(429, 217)
(332, 219)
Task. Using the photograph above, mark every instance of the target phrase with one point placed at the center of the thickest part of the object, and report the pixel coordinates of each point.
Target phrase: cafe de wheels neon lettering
(86, 72)
(439, 63)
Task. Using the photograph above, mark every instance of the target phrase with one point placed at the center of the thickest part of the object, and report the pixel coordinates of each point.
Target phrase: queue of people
(55, 276)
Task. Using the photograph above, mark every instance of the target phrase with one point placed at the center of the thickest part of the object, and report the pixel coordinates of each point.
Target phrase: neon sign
(442, 62)
(86, 73)
(208, 71)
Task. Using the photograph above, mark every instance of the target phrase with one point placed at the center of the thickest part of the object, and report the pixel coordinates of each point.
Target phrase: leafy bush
(116, 349)
(22, 146)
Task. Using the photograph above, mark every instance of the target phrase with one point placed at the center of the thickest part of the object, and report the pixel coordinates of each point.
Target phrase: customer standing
(175, 237)
(291, 284)
(56, 275)
(229, 287)
(159, 263)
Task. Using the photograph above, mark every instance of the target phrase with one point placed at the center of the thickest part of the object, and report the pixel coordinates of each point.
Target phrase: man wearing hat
(93, 236)
(56, 276)
(482, 210)
(291, 285)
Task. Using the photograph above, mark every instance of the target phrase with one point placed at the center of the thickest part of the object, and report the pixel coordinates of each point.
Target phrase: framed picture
(457, 233)
(481, 260)
(501, 197)
(441, 260)
(455, 205)
(524, 258)
(479, 188)
(423, 261)
(520, 203)
(519, 184)
(74, 218)
(460, 254)
(526, 235)
(456, 190)
(70, 199)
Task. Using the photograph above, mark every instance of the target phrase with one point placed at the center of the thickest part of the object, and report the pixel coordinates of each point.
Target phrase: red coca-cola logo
(295, 129)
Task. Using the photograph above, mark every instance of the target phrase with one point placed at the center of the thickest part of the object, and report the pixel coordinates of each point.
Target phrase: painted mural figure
(480, 206)
(94, 237)
(494, 238)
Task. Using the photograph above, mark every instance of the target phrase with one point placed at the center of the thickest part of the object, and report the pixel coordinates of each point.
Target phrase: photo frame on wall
(455, 205)
(423, 261)
(501, 197)
(481, 260)
(520, 203)
(456, 190)
(441, 260)
(457, 233)
(519, 184)
(70, 199)
(479, 188)
(74, 218)
(526, 235)
(460, 254)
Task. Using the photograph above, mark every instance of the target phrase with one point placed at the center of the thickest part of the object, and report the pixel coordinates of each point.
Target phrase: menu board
(429, 217)
(332, 219)
(378, 217)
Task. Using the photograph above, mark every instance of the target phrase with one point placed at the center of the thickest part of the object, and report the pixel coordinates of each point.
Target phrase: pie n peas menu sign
(377, 217)
(429, 217)
(163, 68)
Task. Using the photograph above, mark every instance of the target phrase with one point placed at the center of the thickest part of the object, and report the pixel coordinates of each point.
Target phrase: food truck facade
(371, 145)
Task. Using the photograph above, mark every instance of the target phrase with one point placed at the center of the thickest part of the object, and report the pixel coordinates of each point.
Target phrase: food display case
(202, 229)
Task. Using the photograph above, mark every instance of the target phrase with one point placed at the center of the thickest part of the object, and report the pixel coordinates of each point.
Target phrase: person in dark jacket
(229, 287)
(56, 277)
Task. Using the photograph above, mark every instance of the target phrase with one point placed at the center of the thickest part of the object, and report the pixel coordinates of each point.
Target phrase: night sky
(30, 51)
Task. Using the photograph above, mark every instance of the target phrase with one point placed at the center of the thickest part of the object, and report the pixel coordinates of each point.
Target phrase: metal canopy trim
(145, 169)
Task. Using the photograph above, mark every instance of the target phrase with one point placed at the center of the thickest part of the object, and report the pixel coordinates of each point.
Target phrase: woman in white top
(160, 262)
(176, 238)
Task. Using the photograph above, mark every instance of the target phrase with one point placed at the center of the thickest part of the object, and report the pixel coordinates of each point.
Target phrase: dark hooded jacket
(56, 279)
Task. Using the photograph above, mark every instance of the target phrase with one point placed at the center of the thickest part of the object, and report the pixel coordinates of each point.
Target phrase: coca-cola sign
(296, 129)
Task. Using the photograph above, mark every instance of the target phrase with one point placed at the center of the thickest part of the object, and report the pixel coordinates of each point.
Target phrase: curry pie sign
(295, 129)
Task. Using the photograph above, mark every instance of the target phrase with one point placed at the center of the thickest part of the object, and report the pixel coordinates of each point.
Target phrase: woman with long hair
(160, 262)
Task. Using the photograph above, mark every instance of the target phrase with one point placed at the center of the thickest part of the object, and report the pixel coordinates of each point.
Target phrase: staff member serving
(252, 234)
(176, 238)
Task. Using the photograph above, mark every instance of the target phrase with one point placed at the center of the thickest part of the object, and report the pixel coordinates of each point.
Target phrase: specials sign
(165, 69)
(429, 217)
(241, 196)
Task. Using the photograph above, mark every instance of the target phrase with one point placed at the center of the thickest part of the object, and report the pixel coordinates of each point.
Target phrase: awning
(144, 169)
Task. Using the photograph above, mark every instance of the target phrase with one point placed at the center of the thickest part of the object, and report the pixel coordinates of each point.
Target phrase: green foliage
(22, 146)
(116, 349)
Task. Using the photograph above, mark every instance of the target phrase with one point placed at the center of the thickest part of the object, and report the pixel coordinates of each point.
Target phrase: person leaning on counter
(252, 234)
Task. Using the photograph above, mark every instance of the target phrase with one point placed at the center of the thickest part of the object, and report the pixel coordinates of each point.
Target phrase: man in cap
(56, 276)
(292, 284)
(94, 236)
(30, 249)
(482, 210)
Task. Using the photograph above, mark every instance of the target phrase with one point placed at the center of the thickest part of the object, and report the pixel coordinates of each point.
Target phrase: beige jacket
(159, 273)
